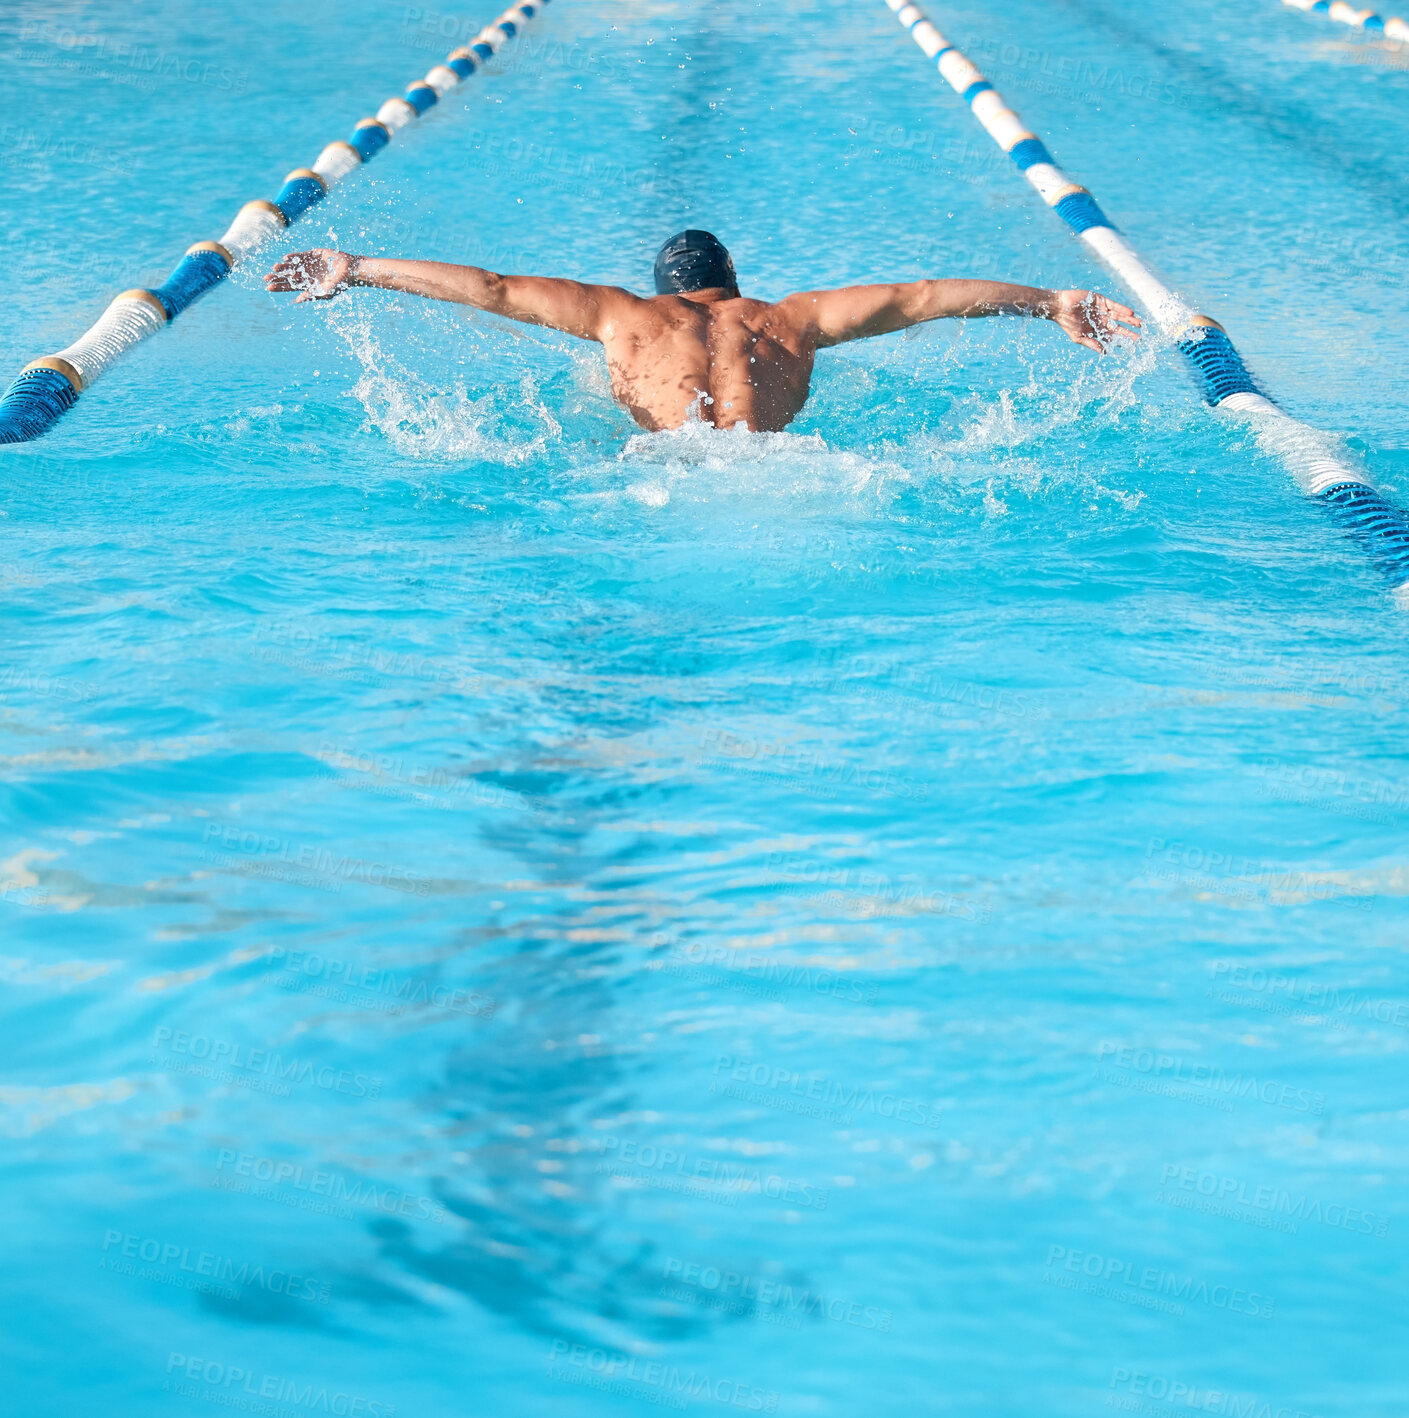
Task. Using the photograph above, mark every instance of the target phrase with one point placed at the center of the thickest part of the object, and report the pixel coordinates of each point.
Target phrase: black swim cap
(694, 260)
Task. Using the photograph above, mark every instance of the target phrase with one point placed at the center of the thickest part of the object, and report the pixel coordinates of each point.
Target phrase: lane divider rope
(48, 387)
(1392, 28)
(1343, 490)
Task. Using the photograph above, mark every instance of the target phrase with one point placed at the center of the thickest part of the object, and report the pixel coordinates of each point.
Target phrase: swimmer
(697, 344)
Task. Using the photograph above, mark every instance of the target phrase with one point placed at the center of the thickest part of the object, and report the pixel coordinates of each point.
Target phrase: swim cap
(694, 260)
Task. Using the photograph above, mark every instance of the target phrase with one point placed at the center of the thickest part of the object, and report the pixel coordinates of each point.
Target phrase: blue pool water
(508, 915)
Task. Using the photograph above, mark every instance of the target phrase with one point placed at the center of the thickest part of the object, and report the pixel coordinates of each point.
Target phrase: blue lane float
(46, 388)
(1308, 454)
(1392, 28)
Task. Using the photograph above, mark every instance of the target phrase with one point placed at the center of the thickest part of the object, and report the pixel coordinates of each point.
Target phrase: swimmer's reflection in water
(698, 344)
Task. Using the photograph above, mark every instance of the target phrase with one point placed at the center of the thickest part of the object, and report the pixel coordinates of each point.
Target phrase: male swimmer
(697, 344)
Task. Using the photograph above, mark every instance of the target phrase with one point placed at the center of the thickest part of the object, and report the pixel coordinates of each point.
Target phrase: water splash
(700, 464)
(423, 421)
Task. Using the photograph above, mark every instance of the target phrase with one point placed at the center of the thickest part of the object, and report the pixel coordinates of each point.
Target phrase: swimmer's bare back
(711, 352)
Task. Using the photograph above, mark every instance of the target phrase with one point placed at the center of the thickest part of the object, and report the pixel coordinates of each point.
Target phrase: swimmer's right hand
(316, 275)
(1092, 319)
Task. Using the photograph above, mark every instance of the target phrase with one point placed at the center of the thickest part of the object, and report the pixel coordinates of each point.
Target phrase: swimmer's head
(694, 260)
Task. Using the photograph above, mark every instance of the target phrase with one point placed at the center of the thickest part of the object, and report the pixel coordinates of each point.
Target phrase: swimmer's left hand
(1091, 319)
(316, 274)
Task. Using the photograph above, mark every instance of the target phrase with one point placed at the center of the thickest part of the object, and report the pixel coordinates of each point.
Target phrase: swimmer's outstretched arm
(570, 306)
(856, 312)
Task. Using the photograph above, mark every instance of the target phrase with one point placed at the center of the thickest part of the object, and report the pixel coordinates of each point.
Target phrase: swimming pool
(507, 914)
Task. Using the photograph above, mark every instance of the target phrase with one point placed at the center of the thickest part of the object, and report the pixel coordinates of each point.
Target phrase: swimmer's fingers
(291, 273)
(1127, 316)
(315, 274)
(1079, 331)
(1090, 320)
(1099, 321)
(1079, 325)
(1116, 317)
